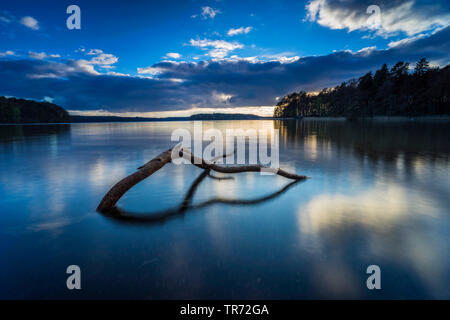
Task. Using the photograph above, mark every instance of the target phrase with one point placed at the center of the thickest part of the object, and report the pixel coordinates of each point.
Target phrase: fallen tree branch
(124, 216)
(205, 164)
(118, 190)
(110, 199)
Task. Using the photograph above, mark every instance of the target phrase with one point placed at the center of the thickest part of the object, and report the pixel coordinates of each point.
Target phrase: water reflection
(396, 196)
(10, 133)
(378, 194)
(390, 227)
(186, 204)
(374, 140)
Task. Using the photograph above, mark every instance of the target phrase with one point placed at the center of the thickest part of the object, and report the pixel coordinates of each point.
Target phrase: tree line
(14, 110)
(398, 91)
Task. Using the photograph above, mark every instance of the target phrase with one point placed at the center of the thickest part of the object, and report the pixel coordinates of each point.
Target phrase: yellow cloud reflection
(378, 208)
(311, 146)
(385, 222)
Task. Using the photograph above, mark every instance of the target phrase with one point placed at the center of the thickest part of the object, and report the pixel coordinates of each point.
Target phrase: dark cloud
(233, 83)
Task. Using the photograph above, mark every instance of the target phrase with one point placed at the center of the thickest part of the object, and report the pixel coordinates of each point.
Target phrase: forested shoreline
(388, 92)
(14, 110)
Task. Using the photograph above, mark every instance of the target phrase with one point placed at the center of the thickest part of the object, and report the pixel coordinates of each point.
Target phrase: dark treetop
(394, 92)
(14, 110)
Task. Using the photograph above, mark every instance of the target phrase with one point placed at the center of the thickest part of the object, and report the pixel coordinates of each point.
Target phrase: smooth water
(378, 194)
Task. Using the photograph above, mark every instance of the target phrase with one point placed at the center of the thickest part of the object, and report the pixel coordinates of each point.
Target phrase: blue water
(378, 194)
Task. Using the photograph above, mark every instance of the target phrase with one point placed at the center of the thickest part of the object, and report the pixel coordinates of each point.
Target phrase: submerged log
(205, 164)
(120, 188)
(153, 218)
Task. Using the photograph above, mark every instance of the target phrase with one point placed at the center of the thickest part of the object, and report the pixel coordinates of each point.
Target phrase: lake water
(379, 194)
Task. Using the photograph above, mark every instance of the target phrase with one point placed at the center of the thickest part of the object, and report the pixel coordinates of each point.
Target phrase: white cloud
(367, 50)
(176, 80)
(104, 59)
(218, 48)
(252, 59)
(409, 17)
(150, 70)
(85, 66)
(405, 41)
(241, 30)
(220, 97)
(93, 52)
(57, 70)
(208, 12)
(48, 99)
(218, 53)
(100, 59)
(283, 59)
(7, 53)
(30, 22)
(37, 55)
(217, 44)
(42, 55)
(118, 74)
(173, 55)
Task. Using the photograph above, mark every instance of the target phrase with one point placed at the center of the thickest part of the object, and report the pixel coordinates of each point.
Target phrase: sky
(176, 58)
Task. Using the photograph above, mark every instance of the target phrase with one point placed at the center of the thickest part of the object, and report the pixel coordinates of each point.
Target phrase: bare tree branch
(205, 164)
(120, 188)
(124, 216)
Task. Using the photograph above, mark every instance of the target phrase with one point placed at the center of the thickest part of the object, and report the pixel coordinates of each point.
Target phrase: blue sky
(182, 57)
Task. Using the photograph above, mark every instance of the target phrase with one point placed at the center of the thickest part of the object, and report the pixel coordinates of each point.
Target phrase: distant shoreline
(185, 119)
(195, 117)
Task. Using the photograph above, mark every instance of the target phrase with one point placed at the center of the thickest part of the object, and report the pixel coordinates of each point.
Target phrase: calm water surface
(379, 194)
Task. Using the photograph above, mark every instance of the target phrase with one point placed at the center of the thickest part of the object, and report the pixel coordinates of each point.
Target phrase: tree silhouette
(394, 92)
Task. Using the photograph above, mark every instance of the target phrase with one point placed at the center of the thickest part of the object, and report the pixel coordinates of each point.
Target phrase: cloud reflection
(383, 222)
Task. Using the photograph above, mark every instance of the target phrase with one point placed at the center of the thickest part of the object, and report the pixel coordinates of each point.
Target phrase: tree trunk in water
(118, 190)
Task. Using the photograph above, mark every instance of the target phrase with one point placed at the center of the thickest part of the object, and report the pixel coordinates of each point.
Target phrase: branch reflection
(123, 216)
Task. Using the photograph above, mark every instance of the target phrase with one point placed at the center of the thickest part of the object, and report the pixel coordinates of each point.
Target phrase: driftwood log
(128, 217)
(110, 199)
